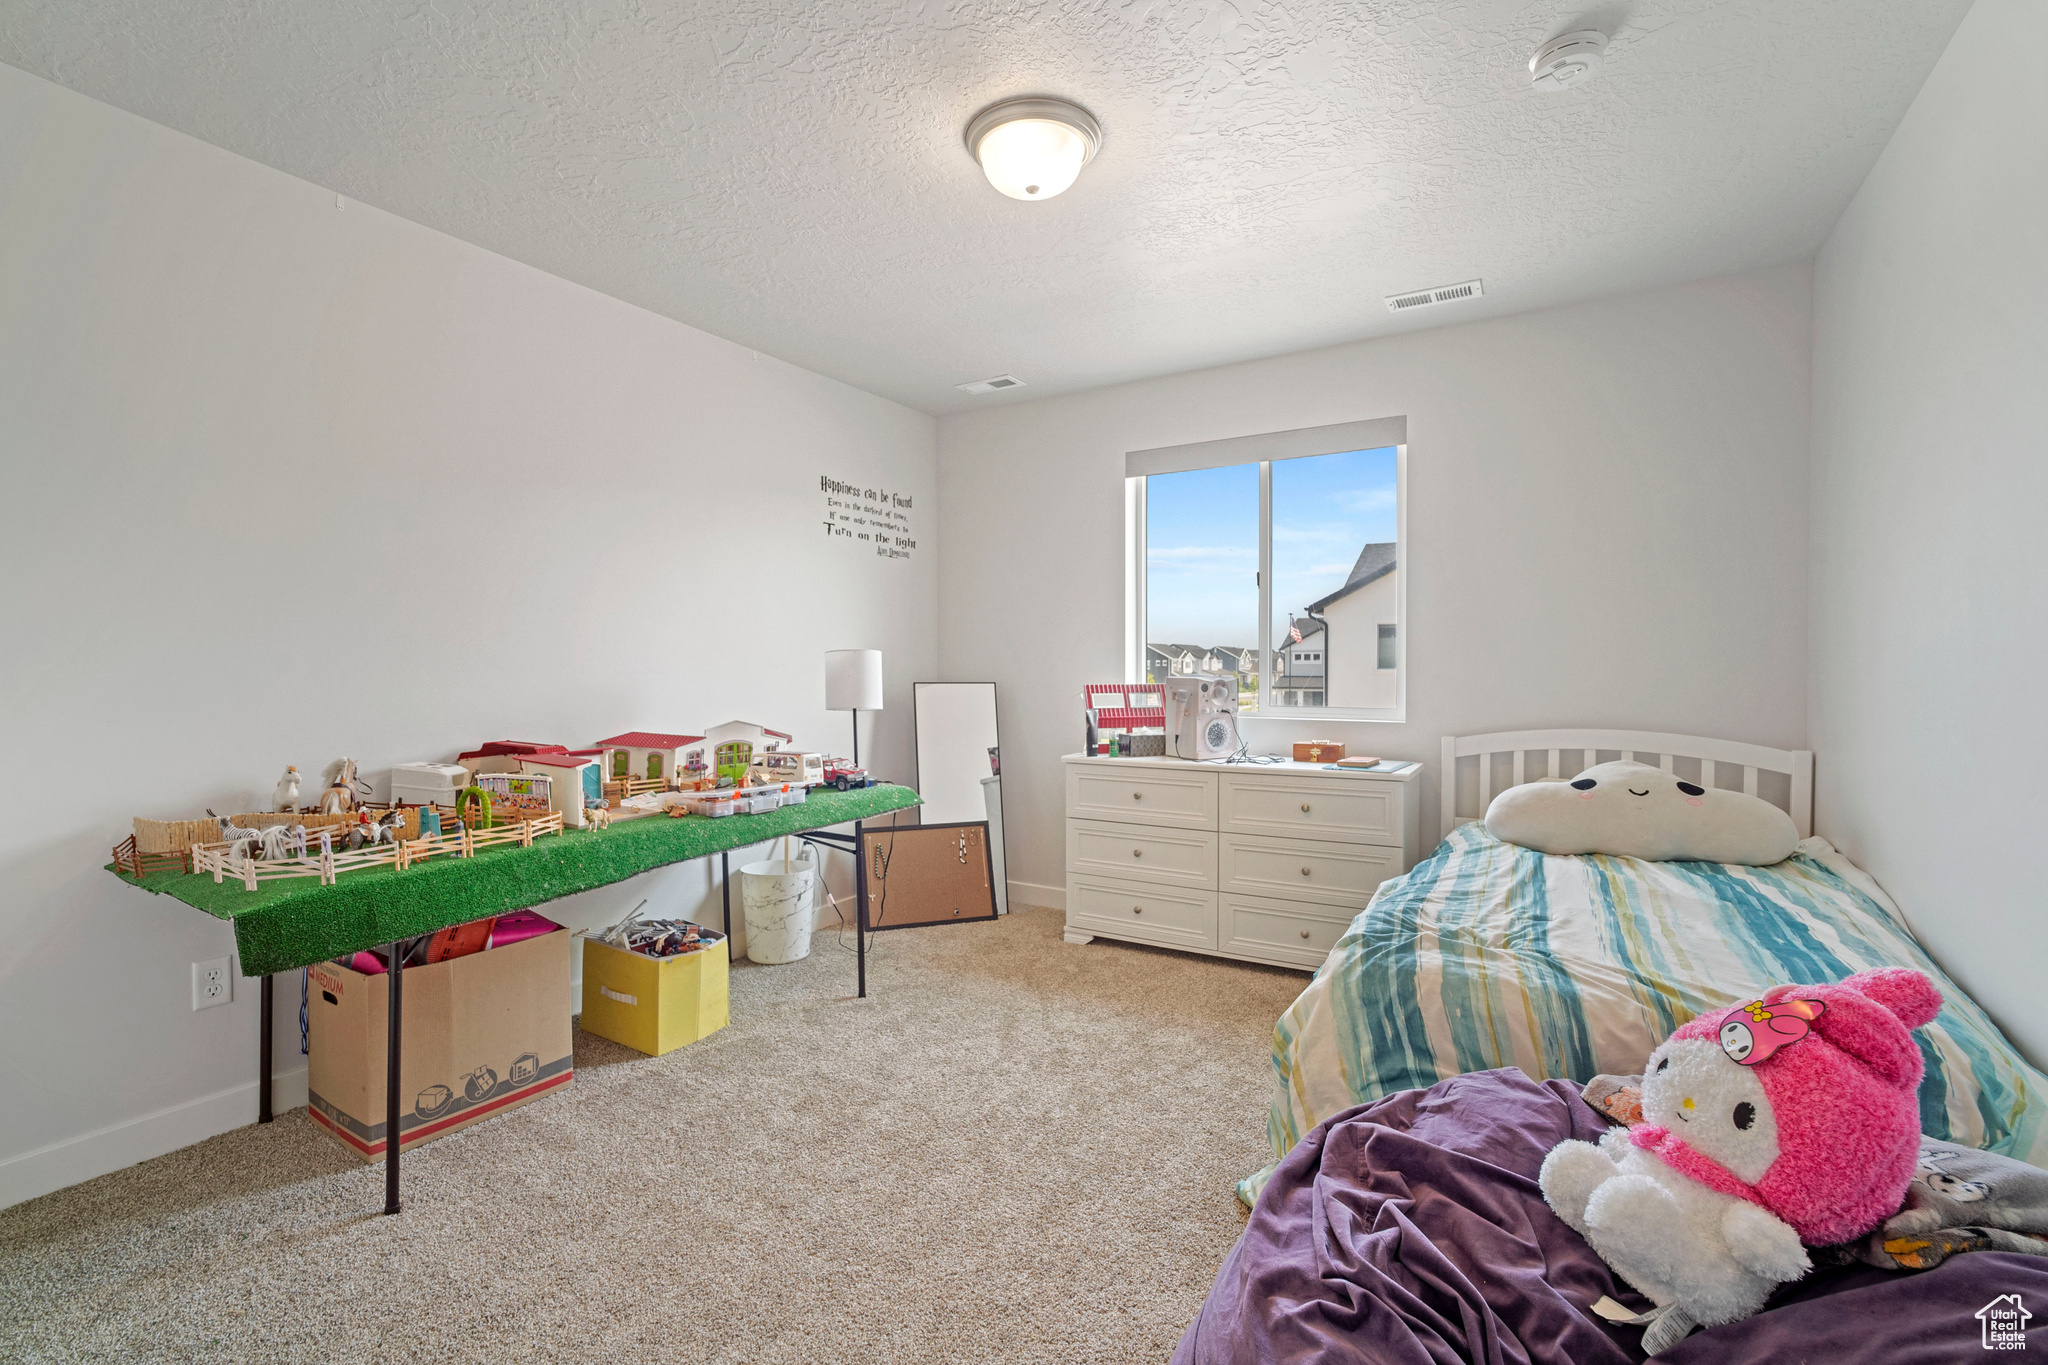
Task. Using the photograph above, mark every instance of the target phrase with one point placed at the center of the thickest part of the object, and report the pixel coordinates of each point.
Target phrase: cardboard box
(1317, 751)
(654, 1005)
(483, 1034)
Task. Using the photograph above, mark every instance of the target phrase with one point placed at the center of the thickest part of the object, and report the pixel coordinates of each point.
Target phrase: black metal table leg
(392, 1052)
(725, 880)
(860, 878)
(263, 1058)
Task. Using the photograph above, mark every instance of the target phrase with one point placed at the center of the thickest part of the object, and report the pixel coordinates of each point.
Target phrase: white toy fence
(234, 860)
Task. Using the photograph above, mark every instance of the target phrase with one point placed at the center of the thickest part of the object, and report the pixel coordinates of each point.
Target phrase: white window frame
(1263, 450)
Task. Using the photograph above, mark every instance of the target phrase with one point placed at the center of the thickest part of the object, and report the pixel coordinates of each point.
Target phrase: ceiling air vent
(995, 385)
(1422, 298)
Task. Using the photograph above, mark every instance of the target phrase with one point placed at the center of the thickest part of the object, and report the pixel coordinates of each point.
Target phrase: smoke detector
(994, 384)
(1569, 60)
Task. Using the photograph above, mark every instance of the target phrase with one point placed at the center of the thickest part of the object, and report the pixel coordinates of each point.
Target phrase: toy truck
(798, 770)
(841, 775)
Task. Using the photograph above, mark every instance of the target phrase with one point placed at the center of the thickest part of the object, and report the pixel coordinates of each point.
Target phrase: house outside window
(1293, 539)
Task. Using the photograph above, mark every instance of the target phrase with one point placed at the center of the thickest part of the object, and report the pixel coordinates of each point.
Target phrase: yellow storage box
(652, 1004)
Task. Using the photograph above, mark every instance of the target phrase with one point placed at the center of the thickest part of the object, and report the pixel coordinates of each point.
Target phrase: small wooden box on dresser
(1267, 862)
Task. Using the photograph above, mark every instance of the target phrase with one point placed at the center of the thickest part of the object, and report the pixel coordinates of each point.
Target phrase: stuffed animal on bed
(1786, 1122)
(1636, 811)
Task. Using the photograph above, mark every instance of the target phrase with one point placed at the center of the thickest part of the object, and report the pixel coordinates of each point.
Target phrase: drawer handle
(1304, 933)
(1137, 853)
(1137, 796)
(1304, 872)
(1137, 909)
(1304, 808)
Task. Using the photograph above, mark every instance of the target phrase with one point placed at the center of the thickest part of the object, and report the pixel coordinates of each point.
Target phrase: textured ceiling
(791, 175)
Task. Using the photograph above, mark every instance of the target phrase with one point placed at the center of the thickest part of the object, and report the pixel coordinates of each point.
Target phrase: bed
(1439, 1052)
(1411, 1232)
(1488, 955)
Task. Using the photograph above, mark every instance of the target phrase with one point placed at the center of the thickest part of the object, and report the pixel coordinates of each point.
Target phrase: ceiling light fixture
(1567, 60)
(1032, 148)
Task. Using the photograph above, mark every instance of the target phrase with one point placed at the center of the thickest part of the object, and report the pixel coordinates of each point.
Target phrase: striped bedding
(1490, 955)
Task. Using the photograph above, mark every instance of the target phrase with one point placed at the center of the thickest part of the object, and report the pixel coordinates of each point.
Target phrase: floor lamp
(853, 682)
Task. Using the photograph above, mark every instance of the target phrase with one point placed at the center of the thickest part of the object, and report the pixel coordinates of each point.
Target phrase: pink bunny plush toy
(1782, 1123)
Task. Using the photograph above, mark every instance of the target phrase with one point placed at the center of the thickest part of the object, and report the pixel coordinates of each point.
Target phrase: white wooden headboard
(1565, 753)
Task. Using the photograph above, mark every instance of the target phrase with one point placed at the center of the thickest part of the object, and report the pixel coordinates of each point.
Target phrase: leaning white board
(956, 727)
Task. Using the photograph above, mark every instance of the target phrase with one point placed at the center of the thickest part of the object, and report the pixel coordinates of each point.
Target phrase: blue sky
(1202, 541)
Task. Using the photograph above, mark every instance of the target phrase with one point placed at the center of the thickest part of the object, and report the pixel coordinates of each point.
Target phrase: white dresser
(1265, 862)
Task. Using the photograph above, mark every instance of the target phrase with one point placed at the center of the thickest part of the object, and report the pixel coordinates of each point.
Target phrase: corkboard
(929, 874)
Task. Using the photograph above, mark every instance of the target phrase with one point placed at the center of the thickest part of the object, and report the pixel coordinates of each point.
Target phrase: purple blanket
(1411, 1230)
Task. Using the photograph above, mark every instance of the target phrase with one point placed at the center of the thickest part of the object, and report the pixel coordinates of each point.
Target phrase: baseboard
(139, 1139)
(1031, 893)
(288, 1090)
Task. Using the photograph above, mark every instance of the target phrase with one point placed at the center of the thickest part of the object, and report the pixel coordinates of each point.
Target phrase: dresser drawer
(1142, 796)
(1145, 853)
(1313, 808)
(1304, 869)
(1276, 931)
(1164, 915)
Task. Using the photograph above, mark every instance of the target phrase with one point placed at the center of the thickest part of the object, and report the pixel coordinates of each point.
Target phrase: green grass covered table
(292, 923)
(295, 922)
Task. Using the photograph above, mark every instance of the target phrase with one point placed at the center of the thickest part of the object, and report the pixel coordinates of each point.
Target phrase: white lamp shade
(1031, 158)
(1034, 146)
(853, 680)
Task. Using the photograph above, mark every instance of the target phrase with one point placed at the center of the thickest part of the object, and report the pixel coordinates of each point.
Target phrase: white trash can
(779, 901)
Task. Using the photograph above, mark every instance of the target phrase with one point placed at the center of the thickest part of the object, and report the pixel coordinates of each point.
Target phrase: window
(1294, 539)
(1202, 566)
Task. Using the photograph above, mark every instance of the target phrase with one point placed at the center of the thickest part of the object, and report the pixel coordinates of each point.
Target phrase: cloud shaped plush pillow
(1635, 811)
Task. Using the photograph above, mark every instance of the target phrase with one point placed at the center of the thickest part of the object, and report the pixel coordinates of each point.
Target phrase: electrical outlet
(213, 983)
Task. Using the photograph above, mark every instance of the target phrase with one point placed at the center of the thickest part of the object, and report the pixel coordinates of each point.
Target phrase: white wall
(1607, 525)
(1930, 562)
(285, 482)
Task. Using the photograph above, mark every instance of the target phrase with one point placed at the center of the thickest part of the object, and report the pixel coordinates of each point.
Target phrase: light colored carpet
(1016, 1150)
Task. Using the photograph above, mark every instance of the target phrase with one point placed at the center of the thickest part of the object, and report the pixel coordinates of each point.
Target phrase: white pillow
(1635, 811)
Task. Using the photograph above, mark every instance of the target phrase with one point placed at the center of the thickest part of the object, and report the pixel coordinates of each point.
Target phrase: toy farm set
(499, 793)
